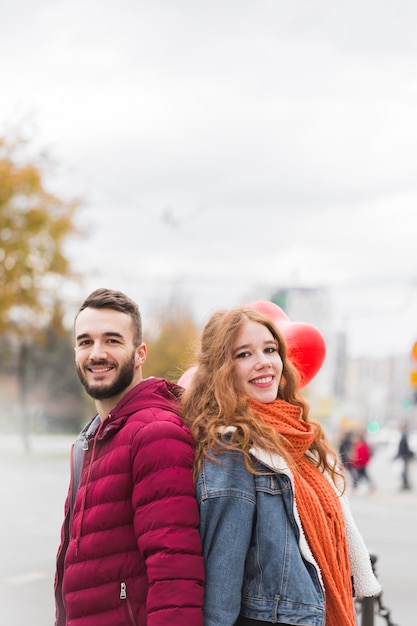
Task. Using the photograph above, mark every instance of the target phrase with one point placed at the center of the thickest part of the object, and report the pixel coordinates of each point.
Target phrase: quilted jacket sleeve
(166, 522)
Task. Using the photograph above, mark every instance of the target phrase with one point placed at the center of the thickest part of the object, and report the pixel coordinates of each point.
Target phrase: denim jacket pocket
(273, 483)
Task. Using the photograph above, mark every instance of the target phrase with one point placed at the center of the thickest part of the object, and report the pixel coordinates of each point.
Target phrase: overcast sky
(224, 149)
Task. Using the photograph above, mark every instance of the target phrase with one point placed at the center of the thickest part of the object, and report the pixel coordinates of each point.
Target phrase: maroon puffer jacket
(132, 553)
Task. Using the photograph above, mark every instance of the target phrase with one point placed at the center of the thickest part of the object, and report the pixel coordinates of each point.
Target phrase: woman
(279, 542)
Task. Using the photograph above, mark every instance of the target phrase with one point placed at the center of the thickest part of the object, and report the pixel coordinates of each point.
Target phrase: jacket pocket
(272, 483)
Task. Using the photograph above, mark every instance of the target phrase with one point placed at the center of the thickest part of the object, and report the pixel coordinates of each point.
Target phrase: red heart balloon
(185, 378)
(306, 348)
(270, 309)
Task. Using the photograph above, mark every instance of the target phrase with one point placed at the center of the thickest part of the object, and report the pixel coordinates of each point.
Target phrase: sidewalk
(387, 519)
(48, 445)
(32, 492)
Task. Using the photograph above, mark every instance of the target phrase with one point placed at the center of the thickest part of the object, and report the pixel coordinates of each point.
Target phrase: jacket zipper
(123, 596)
(90, 464)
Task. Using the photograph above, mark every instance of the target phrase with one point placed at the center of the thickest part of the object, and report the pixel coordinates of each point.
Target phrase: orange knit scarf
(320, 511)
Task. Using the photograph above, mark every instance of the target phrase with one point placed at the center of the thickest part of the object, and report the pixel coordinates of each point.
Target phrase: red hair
(212, 401)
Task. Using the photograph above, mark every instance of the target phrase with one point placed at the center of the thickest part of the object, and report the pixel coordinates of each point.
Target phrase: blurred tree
(172, 345)
(56, 390)
(34, 225)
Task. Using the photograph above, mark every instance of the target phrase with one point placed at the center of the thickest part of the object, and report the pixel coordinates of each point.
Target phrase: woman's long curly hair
(212, 401)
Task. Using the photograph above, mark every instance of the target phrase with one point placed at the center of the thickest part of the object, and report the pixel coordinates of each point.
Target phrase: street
(387, 520)
(33, 489)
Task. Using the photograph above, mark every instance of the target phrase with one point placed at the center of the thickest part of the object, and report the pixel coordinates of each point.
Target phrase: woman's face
(257, 362)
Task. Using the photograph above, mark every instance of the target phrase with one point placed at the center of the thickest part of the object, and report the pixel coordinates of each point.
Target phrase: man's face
(107, 362)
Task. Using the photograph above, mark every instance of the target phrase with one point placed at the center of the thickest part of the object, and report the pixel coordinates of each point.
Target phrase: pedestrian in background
(361, 456)
(406, 454)
(345, 452)
(279, 541)
(130, 551)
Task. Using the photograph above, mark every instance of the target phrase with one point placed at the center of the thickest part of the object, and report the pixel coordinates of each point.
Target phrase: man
(406, 454)
(130, 551)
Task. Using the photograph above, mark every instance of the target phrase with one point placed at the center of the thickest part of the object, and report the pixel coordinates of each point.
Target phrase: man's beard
(103, 392)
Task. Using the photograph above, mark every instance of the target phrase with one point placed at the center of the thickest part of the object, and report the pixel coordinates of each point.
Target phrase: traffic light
(413, 373)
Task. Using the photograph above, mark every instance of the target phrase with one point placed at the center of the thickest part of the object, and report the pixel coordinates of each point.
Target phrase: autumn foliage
(34, 224)
(172, 345)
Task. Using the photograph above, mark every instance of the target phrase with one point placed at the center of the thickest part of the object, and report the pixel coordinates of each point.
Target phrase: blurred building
(378, 390)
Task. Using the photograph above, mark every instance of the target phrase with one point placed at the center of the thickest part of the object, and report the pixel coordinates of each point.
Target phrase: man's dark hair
(118, 301)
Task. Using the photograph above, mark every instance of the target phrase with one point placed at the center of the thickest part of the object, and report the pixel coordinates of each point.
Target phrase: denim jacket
(257, 559)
